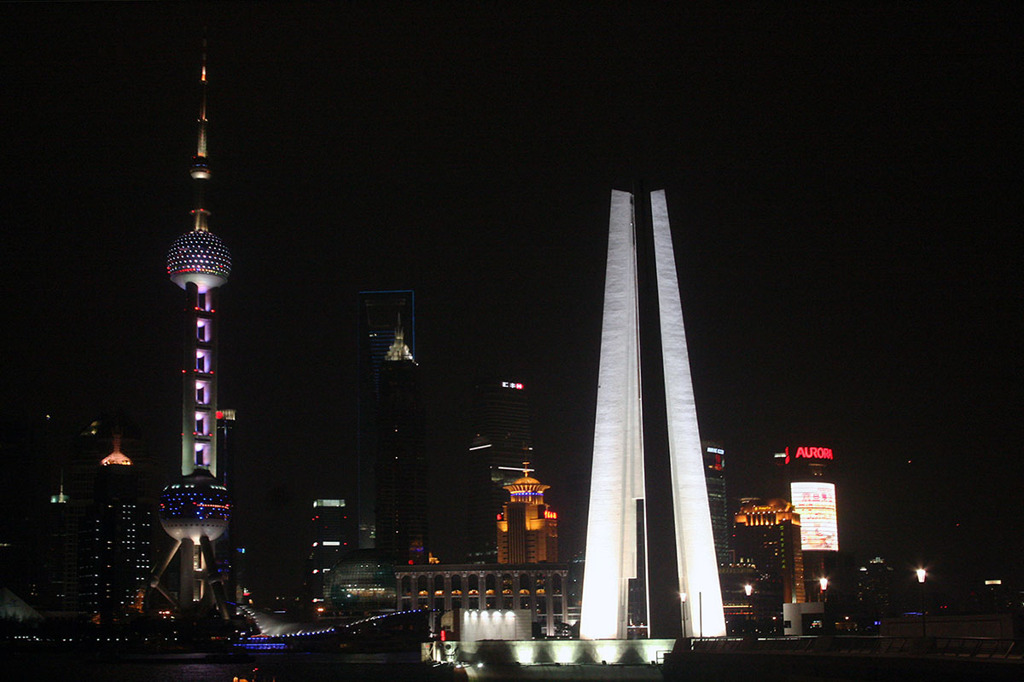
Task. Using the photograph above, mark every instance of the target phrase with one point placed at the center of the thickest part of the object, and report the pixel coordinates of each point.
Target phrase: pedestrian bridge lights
(617, 479)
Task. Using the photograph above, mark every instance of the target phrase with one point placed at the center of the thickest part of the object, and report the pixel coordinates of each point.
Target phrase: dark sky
(843, 182)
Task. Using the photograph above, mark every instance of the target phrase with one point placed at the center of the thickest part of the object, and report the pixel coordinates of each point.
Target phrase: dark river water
(279, 667)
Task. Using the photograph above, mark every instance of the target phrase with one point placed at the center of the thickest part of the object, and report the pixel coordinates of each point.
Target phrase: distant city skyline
(843, 180)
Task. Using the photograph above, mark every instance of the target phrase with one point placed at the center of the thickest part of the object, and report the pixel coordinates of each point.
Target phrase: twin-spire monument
(618, 516)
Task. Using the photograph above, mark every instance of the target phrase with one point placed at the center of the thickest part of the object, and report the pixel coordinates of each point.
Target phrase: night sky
(843, 183)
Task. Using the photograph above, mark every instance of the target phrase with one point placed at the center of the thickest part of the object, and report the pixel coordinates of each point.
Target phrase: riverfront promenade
(828, 658)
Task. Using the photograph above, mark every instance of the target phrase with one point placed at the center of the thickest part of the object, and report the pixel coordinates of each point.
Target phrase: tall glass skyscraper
(401, 469)
(714, 476)
(380, 313)
(114, 544)
(501, 442)
(330, 542)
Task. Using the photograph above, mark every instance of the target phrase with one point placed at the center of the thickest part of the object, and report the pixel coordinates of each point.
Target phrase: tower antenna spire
(200, 168)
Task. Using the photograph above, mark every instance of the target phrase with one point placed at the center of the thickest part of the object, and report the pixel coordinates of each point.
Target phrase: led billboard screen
(816, 504)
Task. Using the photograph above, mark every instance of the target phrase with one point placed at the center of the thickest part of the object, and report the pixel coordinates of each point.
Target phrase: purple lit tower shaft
(196, 511)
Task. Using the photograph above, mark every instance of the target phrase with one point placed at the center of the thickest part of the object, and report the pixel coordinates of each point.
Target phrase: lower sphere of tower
(197, 506)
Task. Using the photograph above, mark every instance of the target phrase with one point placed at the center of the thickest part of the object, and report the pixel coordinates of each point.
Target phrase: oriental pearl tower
(196, 510)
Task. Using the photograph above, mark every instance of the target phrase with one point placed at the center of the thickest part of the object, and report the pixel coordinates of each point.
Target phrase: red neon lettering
(814, 453)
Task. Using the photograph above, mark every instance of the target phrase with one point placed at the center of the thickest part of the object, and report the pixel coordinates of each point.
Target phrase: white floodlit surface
(491, 624)
(695, 544)
(617, 478)
(617, 474)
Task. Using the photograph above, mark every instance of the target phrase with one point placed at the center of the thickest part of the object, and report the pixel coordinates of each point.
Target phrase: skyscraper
(618, 482)
(768, 537)
(59, 564)
(501, 441)
(527, 528)
(114, 544)
(331, 540)
(108, 432)
(805, 469)
(225, 546)
(714, 474)
(401, 471)
(196, 511)
(380, 313)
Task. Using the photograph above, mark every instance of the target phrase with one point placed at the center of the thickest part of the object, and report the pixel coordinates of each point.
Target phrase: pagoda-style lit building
(527, 528)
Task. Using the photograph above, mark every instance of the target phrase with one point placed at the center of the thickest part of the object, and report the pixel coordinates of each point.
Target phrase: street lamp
(823, 583)
(682, 597)
(749, 589)
(921, 575)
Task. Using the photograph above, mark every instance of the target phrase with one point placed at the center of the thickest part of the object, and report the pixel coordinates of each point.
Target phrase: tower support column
(187, 583)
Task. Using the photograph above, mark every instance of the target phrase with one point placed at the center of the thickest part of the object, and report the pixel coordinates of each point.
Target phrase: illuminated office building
(527, 528)
(196, 511)
(767, 537)
(379, 314)
(331, 540)
(401, 471)
(110, 431)
(501, 441)
(60, 567)
(228, 556)
(114, 541)
(714, 475)
(876, 588)
(625, 466)
(806, 471)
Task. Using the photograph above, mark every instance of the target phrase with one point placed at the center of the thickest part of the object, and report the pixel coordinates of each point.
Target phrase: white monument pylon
(617, 478)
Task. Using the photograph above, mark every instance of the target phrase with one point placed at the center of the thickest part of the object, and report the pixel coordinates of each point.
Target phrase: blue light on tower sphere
(197, 506)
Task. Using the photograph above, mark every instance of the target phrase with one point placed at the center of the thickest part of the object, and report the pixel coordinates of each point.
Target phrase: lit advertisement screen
(816, 504)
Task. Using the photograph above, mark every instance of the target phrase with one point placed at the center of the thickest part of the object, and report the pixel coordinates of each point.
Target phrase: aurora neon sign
(804, 452)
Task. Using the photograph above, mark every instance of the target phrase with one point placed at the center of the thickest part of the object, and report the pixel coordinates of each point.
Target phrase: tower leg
(212, 576)
(186, 593)
(158, 573)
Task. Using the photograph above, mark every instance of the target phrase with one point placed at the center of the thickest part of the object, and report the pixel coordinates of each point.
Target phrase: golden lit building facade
(527, 528)
(767, 536)
(541, 589)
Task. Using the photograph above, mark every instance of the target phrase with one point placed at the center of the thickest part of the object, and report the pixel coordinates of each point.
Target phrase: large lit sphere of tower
(197, 506)
(199, 257)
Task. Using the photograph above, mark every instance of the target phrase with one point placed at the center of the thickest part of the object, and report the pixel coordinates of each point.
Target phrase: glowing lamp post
(921, 575)
(748, 589)
(682, 600)
(823, 584)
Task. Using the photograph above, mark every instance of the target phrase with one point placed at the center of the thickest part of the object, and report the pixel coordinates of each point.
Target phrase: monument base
(550, 651)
